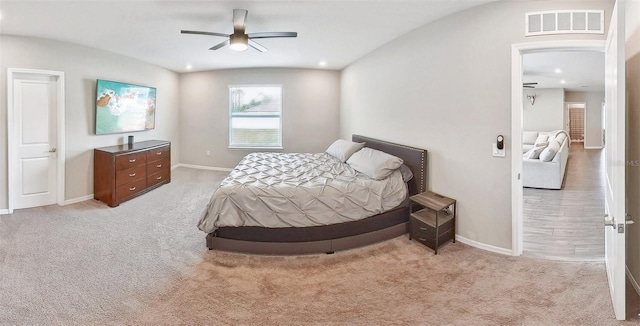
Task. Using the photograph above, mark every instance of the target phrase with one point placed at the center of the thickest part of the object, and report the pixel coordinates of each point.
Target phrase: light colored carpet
(145, 262)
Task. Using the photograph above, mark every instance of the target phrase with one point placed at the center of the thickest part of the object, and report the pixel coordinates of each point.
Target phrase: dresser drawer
(157, 166)
(162, 176)
(130, 175)
(158, 153)
(128, 161)
(127, 190)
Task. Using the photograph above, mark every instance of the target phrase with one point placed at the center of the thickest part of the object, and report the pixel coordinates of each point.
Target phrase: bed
(342, 235)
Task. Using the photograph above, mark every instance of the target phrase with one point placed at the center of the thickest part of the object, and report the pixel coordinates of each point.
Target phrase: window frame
(230, 129)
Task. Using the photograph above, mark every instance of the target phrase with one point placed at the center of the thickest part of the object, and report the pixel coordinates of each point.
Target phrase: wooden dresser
(125, 171)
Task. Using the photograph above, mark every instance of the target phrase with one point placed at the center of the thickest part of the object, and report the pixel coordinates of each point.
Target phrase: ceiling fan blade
(239, 20)
(220, 45)
(204, 33)
(257, 46)
(272, 34)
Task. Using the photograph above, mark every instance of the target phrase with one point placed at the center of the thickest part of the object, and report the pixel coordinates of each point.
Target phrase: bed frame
(331, 238)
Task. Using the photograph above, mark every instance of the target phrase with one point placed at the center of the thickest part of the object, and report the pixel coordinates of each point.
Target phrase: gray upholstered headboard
(414, 158)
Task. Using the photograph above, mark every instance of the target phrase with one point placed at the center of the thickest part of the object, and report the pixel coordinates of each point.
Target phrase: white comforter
(298, 190)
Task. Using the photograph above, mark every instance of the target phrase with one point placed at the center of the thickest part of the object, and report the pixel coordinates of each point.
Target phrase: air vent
(564, 22)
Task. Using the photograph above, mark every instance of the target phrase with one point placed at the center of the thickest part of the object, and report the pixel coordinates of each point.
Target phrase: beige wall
(311, 99)
(82, 66)
(593, 100)
(547, 112)
(633, 135)
(446, 87)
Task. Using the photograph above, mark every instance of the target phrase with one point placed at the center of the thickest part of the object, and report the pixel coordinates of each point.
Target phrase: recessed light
(322, 63)
(563, 81)
(189, 67)
(558, 71)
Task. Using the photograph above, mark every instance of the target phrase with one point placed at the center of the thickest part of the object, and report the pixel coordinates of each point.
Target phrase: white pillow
(542, 139)
(343, 149)
(534, 153)
(550, 152)
(375, 164)
(560, 138)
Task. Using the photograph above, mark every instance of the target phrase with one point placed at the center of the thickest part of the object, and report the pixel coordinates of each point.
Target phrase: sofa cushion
(535, 152)
(542, 140)
(529, 137)
(549, 153)
(560, 138)
(527, 147)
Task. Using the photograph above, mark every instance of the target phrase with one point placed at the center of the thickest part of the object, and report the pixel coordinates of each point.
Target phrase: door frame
(517, 50)
(15, 73)
(584, 118)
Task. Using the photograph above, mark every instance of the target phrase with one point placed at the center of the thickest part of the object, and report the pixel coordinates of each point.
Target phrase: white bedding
(298, 190)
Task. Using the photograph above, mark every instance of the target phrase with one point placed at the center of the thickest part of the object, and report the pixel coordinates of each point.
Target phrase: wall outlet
(208, 153)
(498, 152)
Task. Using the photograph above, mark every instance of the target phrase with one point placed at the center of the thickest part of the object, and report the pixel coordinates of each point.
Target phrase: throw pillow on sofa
(550, 152)
(542, 140)
(535, 152)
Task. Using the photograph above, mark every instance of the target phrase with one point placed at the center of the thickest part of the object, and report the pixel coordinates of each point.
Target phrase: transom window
(255, 116)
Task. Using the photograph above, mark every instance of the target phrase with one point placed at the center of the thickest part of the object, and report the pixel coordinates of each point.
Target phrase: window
(255, 116)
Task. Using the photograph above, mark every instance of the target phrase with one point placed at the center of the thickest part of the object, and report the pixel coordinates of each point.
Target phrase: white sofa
(546, 167)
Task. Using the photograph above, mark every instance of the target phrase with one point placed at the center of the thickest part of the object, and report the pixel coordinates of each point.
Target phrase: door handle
(629, 219)
(609, 221)
(53, 150)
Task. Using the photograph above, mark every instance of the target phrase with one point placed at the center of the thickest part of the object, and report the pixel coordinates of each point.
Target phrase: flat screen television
(124, 107)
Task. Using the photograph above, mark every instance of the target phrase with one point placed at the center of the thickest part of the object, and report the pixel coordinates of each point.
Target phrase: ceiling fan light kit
(240, 40)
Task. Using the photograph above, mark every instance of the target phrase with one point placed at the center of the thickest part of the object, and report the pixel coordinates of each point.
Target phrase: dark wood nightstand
(433, 219)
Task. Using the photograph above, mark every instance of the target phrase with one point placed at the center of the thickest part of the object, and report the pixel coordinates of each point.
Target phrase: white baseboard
(200, 167)
(77, 200)
(484, 246)
(593, 147)
(4, 211)
(633, 280)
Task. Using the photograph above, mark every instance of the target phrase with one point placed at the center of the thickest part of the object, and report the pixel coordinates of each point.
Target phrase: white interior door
(34, 172)
(615, 160)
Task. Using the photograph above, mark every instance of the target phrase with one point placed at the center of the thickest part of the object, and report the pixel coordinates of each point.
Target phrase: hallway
(567, 224)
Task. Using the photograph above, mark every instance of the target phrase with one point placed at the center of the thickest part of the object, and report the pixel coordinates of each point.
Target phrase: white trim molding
(517, 50)
(484, 246)
(593, 147)
(200, 167)
(4, 211)
(77, 200)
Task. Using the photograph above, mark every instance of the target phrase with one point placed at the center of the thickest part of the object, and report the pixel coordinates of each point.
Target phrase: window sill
(254, 148)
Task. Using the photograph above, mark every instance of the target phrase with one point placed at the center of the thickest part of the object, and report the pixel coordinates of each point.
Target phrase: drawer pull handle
(159, 165)
(159, 153)
(132, 174)
(132, 188)
(132, 160)
(423, 228)
(422, 239)
(158, 178)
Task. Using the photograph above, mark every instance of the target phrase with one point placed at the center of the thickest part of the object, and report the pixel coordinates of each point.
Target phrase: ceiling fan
(529, 85)
(239, 40)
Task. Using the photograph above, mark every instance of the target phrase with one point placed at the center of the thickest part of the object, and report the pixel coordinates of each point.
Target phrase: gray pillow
(549, 153)
(406, 173)
(343, 149)
(534, 153)
(375, 164)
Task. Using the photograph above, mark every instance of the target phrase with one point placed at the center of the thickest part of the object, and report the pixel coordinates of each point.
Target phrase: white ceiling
(338, 32)
(581, 70)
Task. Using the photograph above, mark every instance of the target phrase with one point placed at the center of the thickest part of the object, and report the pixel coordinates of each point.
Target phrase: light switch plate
(498, 152)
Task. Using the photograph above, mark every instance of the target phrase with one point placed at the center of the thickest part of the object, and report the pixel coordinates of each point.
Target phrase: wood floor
(567, 224)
